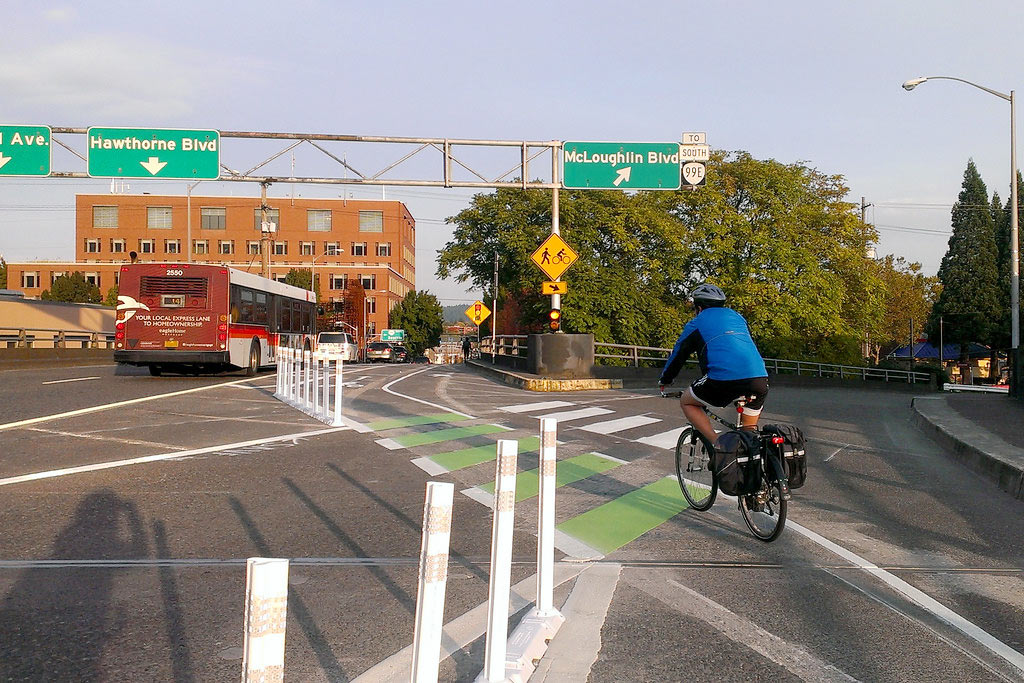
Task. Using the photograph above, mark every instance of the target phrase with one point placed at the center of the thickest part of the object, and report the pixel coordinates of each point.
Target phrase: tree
(299, 277)
(73, 288)
(1001, 215)
(908, 296)
(420, 315)
(778, 238)
(111, 299)
(968, 272)
(3, 273)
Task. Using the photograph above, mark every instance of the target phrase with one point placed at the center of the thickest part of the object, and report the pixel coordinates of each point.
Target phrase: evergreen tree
(111, 299)
(969, 301)
(1002, 215)
(72, 288)
(3, 273)
(420, 315)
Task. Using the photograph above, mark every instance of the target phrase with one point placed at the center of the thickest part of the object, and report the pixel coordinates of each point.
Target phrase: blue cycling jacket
(722, 342)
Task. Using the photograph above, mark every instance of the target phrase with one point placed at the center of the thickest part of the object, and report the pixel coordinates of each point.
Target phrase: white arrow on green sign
(620, 165)
(153, 153)
(25, 150)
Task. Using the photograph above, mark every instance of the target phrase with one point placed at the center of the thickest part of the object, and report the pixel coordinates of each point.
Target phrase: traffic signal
(554, 319)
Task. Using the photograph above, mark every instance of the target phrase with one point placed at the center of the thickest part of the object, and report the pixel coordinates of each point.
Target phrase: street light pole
(1015, 379)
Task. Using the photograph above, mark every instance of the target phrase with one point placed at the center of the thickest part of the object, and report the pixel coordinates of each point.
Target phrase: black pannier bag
(736, 463)
(792, 449)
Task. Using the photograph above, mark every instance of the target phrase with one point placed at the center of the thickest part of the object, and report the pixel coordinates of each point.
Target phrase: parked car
(379, 352)
(401, 355)
(338, 343)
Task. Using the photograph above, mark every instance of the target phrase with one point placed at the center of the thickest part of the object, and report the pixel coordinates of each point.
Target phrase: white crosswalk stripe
(666, 440)
(576, 414)
(533, 407)
(619, 425)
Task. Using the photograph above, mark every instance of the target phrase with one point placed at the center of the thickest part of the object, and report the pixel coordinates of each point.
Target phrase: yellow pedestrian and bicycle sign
(478, 312)
(554, 257)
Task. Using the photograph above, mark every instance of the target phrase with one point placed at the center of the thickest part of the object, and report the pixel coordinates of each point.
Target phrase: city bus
(188, 318)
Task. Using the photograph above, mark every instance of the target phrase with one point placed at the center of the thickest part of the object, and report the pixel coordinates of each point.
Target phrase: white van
(338, 343)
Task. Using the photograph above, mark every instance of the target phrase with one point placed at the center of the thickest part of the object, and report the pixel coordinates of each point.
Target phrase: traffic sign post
(478, 312)
(25, 150)
(163, 153)
(620, 165)
(554, 256)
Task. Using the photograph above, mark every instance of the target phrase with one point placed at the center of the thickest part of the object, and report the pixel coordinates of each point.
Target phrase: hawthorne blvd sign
(620, 165)
(24, 150)
(154, 153)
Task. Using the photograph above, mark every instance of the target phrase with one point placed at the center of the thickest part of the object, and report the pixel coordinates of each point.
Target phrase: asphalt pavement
(897, 563)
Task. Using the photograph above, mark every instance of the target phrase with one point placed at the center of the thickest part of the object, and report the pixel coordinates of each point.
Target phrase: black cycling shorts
(716, 393)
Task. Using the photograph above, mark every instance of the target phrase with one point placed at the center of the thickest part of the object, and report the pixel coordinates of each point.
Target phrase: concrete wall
(38, 316)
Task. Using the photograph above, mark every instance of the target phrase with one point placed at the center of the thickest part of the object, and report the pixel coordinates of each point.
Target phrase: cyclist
(730, 364)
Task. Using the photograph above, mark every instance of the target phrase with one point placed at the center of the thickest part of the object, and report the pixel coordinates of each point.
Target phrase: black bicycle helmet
(708, 296)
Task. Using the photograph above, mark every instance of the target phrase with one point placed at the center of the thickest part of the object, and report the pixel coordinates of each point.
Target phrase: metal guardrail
(29, 337)
(634, 355)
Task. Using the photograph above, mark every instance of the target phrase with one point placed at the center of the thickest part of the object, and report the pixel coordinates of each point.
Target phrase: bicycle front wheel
(765, 511)
(693, 469)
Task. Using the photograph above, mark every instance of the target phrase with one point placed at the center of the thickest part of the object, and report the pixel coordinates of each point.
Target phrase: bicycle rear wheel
(693, 469)
(765, 511)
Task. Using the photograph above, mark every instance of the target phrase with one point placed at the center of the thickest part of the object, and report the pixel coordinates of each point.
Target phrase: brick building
(343, 240)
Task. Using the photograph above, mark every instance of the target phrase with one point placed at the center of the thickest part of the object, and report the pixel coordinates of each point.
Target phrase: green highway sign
(24, 150)
(153, 153)
(392, 335)
(620, 165)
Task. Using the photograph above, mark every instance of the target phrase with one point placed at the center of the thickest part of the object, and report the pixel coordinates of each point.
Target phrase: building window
(252, 248)
(280, 248)
(92, 246)
(200, 247)
(368, 281)
(226, 247)
(172, 246)
(371, 328)
(371, 304)
(54, 275)
(93, 279)
(104, 216)
(358, 248)
(117, 246)
(371, 221)
(383, 248)
(213, 218)
(273, 216)
(307, 248)
(29, 280)
(318, 220)
(339, 281)
(147, 246)
(332, 248)
(158, 217)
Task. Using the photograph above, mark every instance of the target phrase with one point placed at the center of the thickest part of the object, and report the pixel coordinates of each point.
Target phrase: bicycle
(764, 511)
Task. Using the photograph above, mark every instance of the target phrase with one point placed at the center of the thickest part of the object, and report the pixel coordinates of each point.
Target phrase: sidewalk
(984, 432)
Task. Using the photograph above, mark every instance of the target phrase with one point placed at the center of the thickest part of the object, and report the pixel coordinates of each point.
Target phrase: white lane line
(95, 437)
(666, 440)
(834, 453)
(530, 407)
(387, 389)
(118, 404)
(74, 379)
(619, 425)
(162, 456)
(576, 414)
(919, 598)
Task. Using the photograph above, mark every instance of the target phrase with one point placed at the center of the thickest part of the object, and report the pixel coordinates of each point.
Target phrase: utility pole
(264, 233)
(864, 211)
(494, 315)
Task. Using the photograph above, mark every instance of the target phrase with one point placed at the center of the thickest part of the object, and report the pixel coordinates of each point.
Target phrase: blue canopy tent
(924, 350)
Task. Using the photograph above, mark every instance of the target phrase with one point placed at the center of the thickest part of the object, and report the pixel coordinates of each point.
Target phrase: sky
(816, 83)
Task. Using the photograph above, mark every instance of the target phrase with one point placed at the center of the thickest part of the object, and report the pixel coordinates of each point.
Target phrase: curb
(545, 384)
(989, 456)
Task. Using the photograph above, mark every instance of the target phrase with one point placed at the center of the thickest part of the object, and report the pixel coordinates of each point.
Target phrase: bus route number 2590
(174, 272)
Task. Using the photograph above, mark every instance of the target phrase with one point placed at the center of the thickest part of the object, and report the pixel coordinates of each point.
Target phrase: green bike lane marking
(438, 435)
(568, 471)
(415, 420)
(467, 457)
(615, 523)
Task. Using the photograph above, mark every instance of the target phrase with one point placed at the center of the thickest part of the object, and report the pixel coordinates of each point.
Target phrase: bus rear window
(174, 292)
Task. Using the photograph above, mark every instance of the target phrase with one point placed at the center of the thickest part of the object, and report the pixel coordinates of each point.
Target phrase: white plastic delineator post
(325, 403)
(305, 380)
(314, 398)
(529, 641)
(501, 562)
(337, 391)
(277, 371)
(266, 615)
(437, 522)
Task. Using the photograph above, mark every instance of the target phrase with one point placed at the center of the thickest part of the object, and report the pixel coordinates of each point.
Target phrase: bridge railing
(54, 338)
(652, 356)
